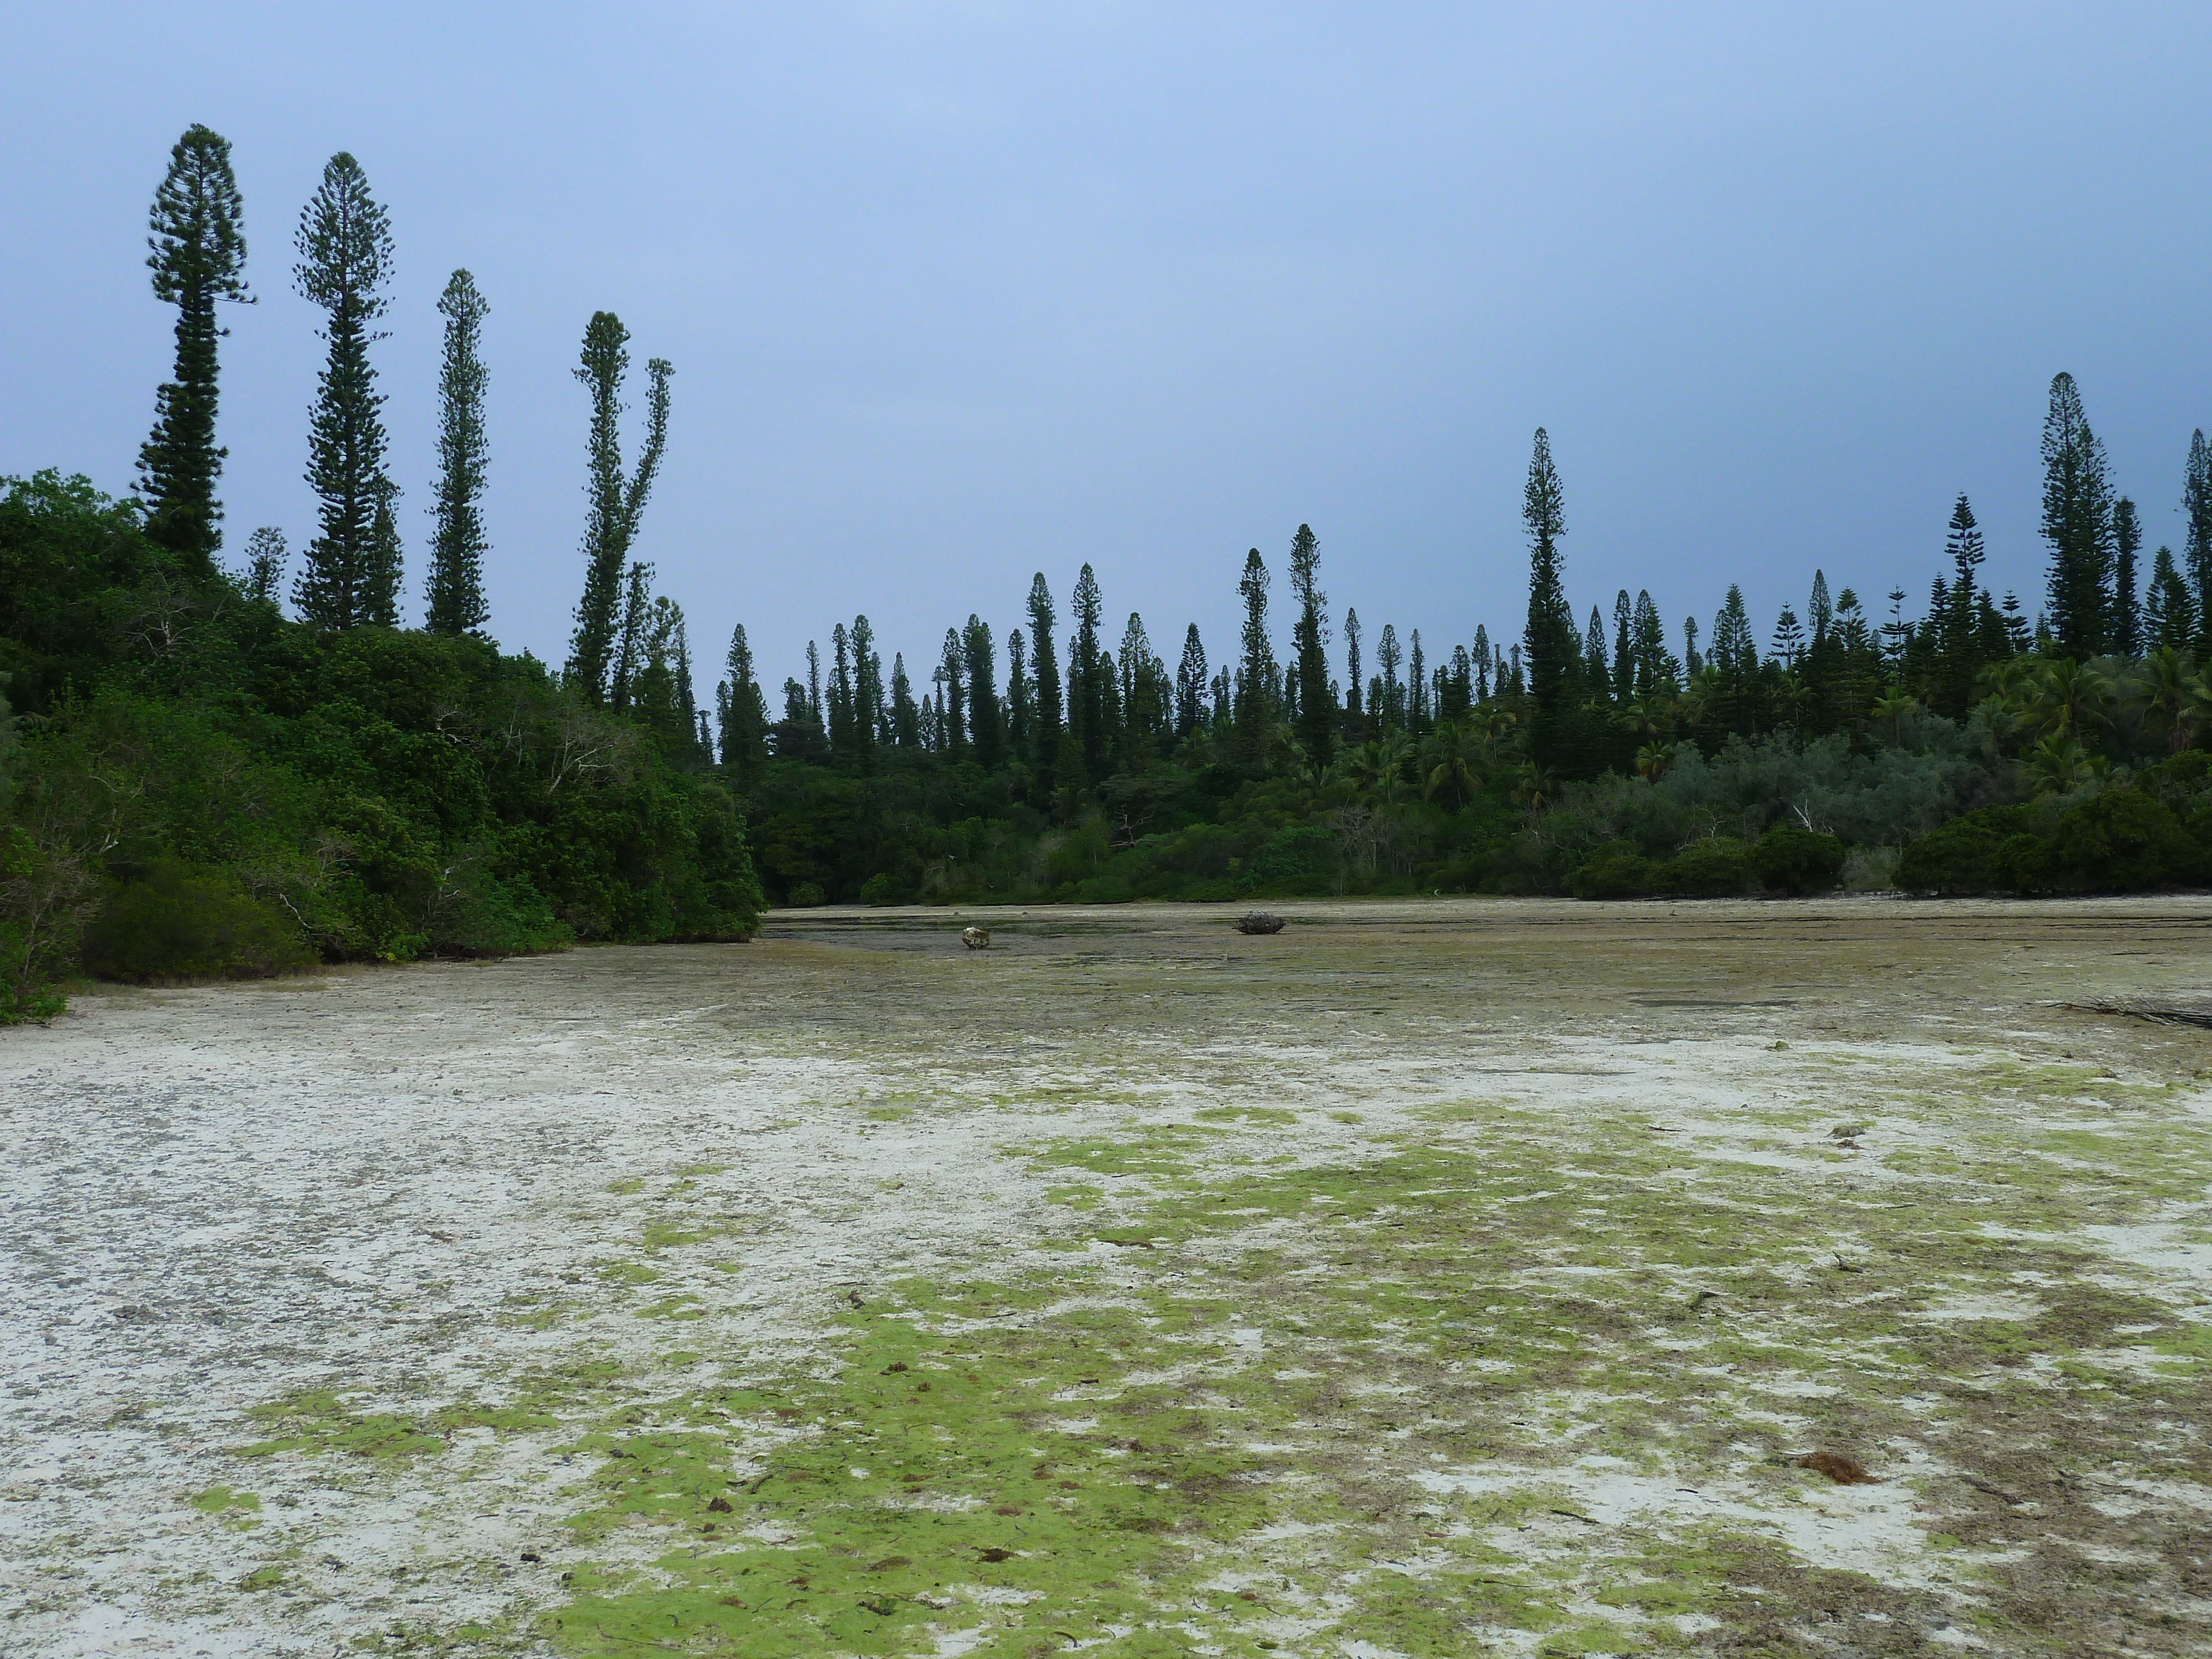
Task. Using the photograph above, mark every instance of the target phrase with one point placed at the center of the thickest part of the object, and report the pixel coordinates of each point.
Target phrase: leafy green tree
(2077, 522)
(199, 258)
(1316, 713)
(454, 601)
(345, 258)
(618, 502)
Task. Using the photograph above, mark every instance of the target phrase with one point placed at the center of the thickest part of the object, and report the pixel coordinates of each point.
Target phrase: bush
(805, 896)
(1790, 858)
(1300, 860)
(882, 888)
(1615, 871)
(1709, 869)
(2122, 841)
(1963, 856)
(178, 922)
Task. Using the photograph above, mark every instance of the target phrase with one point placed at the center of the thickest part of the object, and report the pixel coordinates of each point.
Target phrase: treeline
(197, 780)
(194, 783)
(1610, 756)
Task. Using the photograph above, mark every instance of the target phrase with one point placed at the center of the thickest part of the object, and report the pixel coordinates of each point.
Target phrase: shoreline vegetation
(213, 769)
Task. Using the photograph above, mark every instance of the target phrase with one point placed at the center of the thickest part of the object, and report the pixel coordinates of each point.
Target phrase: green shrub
(882, 888)
(1790, 858)
(1973, 854)
(178, 922)
(1709, 869)
(2122, 841)
(1614, 871)
(806, 895)
(1297, 861)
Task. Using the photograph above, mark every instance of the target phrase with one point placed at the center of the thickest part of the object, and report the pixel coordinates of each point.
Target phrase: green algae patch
(218, 1500)
(318, 1422)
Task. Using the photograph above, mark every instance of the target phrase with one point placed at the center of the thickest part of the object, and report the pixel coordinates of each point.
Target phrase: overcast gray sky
(958, 292)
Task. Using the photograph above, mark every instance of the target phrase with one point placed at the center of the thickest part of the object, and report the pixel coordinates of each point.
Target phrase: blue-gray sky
(958, 292)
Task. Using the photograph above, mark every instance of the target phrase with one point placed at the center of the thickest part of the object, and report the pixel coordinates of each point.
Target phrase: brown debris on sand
(1259, 921)
(1844, 1471)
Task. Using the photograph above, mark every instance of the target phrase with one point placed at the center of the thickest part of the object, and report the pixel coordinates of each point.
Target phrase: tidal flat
(1432, 1277)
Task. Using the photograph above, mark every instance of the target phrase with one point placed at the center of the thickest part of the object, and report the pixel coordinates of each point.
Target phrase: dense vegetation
(1594, 759)
(195, 782)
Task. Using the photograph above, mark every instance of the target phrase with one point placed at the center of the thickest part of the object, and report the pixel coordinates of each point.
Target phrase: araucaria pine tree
(345, 258)
(618, 502)
(2196, 550)
(455, 600)
(2127, 602)
(198, 258)
(2077, 522)
(745, 715)
(1553, 645)
(1316, 710)
(1255, 666)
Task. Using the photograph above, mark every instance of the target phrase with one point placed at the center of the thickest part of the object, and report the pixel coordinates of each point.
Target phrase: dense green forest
(217, 766)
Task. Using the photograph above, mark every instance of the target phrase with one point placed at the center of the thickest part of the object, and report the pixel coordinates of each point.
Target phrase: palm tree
(2059, 763)
(1794, 696)
(1894, 705)
(2069, 698)
(1533, 787)
(1452, 759)
(1653, 759)
(2161, 682)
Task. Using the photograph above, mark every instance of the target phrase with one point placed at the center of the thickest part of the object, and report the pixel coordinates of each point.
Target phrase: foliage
(380, 795)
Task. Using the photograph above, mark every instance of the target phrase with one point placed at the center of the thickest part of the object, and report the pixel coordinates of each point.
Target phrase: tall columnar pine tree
(745, 715)
(266, 556)
(2196, 549)
(454, 599)
(1553, 647)
(1316, 715)
(1354, 712)
(952, 675)
(2077, 522)
(1255, 666)
(2169, 608)
(1623, 647)
(617, 502)
(1416, 686)
(869, 714)
(1390, 698)
(2127, 601)
(906, 713)
(1597, 674)
(1021, 697)
(199, 258)
(1192, 678)
(986, 719)
(345, 258)
(1960, 659)
(841, 693)
(629, 637)
(1051, 720)
(1086, 698)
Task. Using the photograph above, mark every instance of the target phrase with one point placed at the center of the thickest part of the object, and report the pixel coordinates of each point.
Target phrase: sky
(957, 293)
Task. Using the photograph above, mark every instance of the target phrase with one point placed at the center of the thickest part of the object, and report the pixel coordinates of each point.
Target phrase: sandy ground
(1495, 1258)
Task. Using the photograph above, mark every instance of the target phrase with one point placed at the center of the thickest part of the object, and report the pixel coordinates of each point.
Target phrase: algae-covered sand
(1430, 1279)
